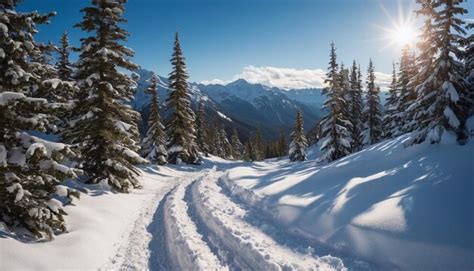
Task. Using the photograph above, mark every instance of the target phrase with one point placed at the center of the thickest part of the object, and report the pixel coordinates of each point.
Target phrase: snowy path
(247, 246)
(181, 219)
(192, 225)
(134, 252)
(186, 247)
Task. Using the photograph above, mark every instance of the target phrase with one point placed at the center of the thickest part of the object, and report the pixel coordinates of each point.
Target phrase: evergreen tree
(202, 130)
(55, 89)
(424, 61)
(469, 64)
(181, 127)
(356, 109)
(31, 169)
(392, 115)
(47, 72)
(443, 103)
(405, 91)
(154, 143)
(346, 109)
(249, 154)
(282, 145)
(298, 143)
(64, 66)
(237, 146)
(104, 127)
(225, 148)
(258, 146)
(217, 146)
(335, 134)
(372, 112)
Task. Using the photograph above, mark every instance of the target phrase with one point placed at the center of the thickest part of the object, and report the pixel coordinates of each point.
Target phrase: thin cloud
(289, 78)
(215, 82)
(383, 80)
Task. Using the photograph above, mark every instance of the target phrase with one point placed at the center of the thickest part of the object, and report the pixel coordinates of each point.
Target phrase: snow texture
(387, 204)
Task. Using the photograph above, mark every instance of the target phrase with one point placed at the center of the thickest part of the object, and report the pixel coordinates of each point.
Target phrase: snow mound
(408, 208)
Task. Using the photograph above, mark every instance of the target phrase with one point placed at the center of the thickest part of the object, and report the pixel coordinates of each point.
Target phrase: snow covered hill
(400, 208)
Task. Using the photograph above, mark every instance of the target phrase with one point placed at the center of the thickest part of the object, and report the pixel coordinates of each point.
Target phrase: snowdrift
(399, 208)
(98, 226)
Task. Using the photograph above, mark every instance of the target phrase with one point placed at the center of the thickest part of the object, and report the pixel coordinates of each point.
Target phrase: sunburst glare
(401, 30)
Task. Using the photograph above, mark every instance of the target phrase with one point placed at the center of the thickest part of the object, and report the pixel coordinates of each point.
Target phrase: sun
(402, 30)
(403, 35)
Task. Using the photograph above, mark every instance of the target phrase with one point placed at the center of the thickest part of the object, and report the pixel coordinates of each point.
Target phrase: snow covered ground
(399, 208)
(99, 226)
(180, 220)
(386, 207)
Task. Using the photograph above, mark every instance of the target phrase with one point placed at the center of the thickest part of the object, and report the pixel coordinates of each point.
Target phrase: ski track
(134, 253)
(210, 237)
(187, 249)
(249, 245)
(263, 220)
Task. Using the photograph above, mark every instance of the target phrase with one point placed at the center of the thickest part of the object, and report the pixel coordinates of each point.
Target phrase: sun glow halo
(403, 34)
(401, 30)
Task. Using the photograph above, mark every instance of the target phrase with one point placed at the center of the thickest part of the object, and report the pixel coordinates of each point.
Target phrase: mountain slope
(242, 105)
(400, 208)
(268, 108)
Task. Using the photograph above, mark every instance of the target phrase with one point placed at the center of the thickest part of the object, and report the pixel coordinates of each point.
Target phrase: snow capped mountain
(243, 105)
(142, 99)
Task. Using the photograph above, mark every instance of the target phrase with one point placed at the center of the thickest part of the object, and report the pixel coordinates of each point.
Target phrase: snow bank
(250, 245)
(99, 226)
(401, 208)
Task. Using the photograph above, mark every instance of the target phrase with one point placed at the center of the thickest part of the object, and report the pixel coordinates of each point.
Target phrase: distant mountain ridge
(242, 105)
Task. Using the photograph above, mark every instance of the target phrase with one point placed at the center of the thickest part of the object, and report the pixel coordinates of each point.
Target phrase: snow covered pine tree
(443, 97)
(372, 112)
(202, 137)
(225, 149)
(64, 66)
(298, 143)
(391, 126)
(406, 92)
(237, 146)
(180, 128)
(469, 63)
(154, 143)
(30, 168)
(104, 127)
(335, 134)
(258, 146)
(356, 108)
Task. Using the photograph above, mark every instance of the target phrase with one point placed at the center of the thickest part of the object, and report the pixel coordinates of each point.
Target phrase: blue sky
(222, 37)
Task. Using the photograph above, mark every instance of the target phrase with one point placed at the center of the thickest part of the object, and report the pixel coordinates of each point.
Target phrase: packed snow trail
(186, 247)
(134, 253)
(263, 219)
(248, 244)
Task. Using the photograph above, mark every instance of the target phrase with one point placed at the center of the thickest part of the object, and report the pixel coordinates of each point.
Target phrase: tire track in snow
(210, 237)
(259, 217)
(246, 244)
(186, 248)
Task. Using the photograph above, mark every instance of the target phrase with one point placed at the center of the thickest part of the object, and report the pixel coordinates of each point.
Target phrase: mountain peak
(239, 82)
